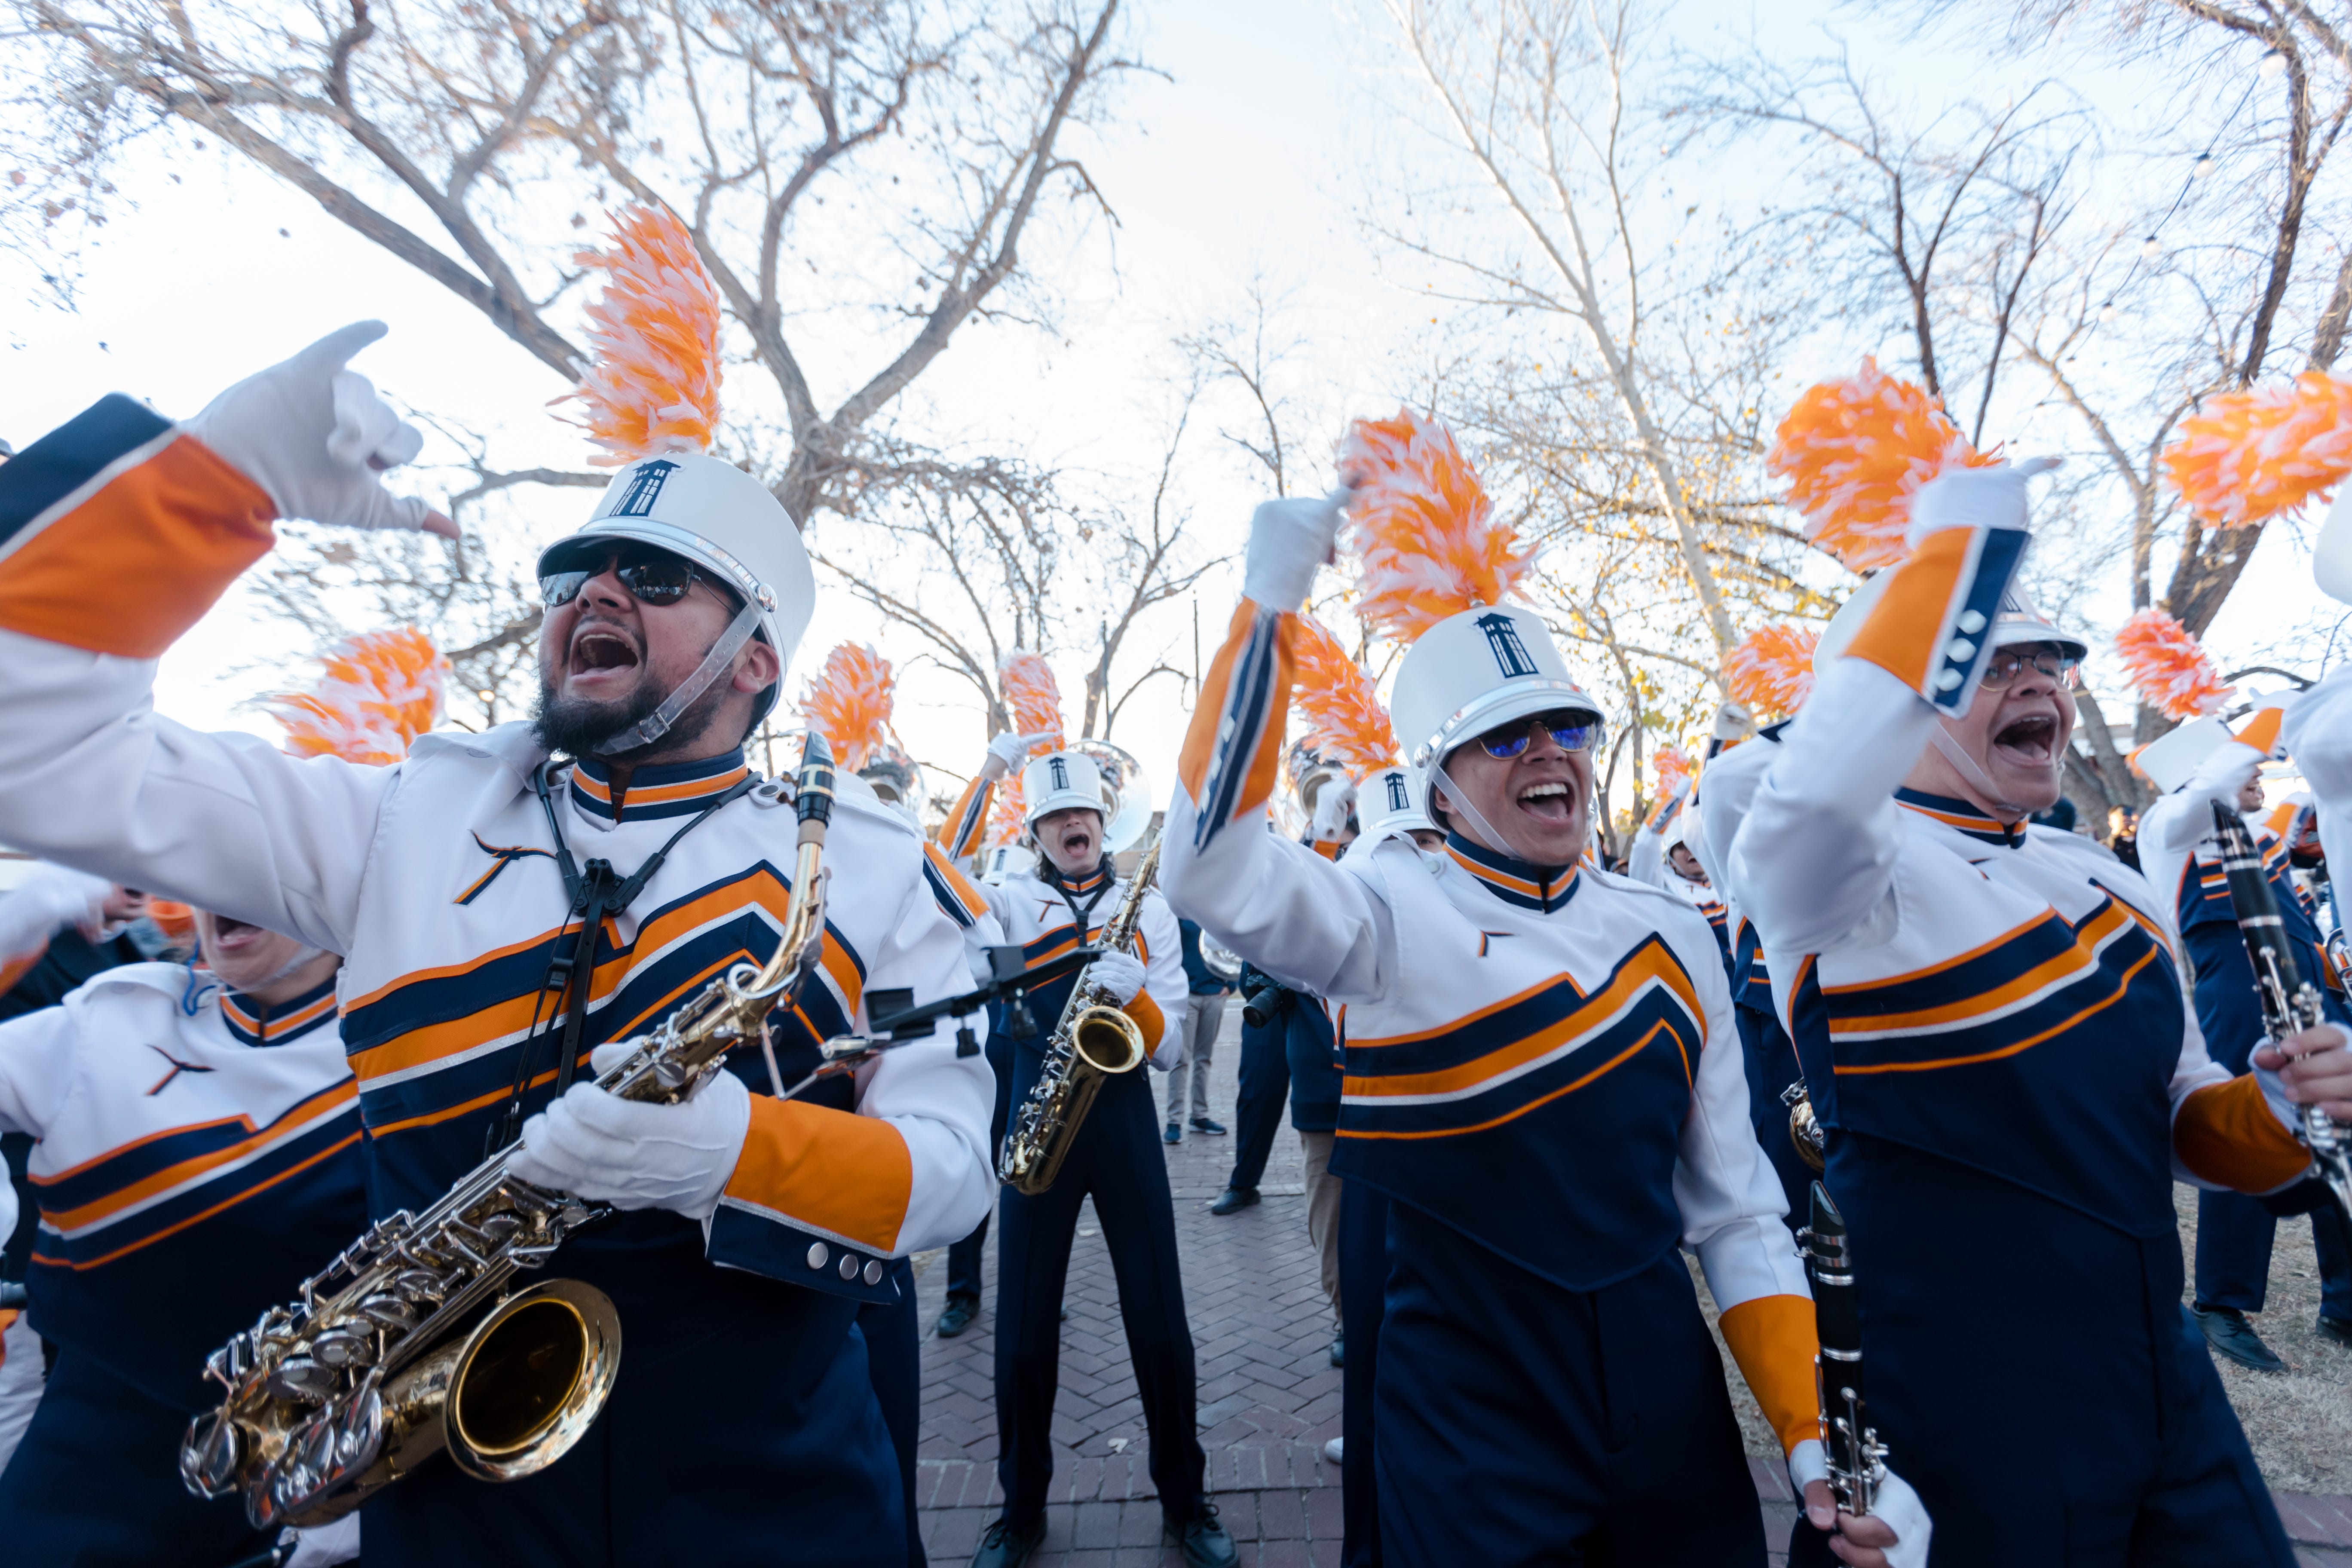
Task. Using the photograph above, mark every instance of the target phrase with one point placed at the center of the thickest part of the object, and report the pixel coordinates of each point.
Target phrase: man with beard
(1993, 1029)
(507, 913)
(1115, 1159)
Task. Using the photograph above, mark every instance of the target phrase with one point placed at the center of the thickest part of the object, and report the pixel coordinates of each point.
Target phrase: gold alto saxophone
(1092, 1041)
(411, 1340)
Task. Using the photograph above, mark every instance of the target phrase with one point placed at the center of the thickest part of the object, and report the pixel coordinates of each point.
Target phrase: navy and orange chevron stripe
(1232, 750)
(959, 834)
(1524, 1052)
(957, 898)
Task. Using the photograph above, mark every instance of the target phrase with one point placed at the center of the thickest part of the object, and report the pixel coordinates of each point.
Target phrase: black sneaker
(1202, 1124)
(1174, 1134)
(1202, 1538)
(1340, 1349)
(2233, 1339)
(958, 1317)
(2337, 1331)
(1002, 1546)
(1233, 1199)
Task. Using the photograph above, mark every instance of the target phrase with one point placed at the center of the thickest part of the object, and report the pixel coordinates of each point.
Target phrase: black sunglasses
(1570, 729)
(651, 574)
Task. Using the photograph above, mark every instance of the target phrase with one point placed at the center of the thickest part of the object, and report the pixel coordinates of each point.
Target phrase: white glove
(1014, 749)
(635, 1155)
(1120, 973)
(46, 901)
(1974, 498)
(1334, 804)
(1288, 540)
(315, 436)
(1732, 720)
(1907, 1516)
(323, 1545)
(2223, 772)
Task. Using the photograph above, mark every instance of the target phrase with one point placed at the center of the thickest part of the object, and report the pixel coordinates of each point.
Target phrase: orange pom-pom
(2246, 456)
(849, 702)
(2168, 668)
(379, 691)
(1424, 535)
(1669, 766)
(1033, 694)
(1344, 721)
(653, 386)
(1854, 452)
(176, 921)
(1770, 670)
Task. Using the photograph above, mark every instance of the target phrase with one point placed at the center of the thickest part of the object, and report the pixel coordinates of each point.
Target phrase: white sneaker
(1332, 1449)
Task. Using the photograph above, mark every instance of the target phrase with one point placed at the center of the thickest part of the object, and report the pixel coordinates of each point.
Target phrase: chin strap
(1954, 754)
(655, 725)
(289, 967)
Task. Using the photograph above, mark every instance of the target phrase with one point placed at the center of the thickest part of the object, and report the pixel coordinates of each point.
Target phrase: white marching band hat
(1390, 801)
(1471, 672)
(1061, 780)
(999, 864)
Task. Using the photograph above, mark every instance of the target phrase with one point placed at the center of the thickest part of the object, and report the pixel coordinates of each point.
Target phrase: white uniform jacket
(436, 876)
(198, 1154)
(2317, 733)
(1034, 913)
(1999, 994)
(1546, 1062)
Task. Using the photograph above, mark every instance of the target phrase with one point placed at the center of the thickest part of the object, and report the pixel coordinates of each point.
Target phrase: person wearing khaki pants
(1204, 1013)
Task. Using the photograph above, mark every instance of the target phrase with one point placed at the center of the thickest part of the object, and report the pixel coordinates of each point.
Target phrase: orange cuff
(1904, 633)
(1773, 1340)
(2227, 1133)
(139, 562)
(1149, 1019)
(831, 1169)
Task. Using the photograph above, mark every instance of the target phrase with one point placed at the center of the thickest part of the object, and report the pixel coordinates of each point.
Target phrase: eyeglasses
(652, 576)
(1570, 729)
(2001, 669)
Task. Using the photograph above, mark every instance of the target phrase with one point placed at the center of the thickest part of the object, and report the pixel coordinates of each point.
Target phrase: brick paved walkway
(1270, 1396)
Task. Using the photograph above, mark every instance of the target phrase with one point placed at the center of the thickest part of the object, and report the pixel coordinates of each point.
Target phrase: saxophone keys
(301, 1379)
(344, 1345)
(389, 1311)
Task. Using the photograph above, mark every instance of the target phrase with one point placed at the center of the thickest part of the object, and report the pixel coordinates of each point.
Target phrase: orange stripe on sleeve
(2261, 731)
(2226, 1133)
(137, 563)
(1149, 1019)
(1904, 634)
(959, 834)
(1773, 1340)
(1209, 715)
(839, 1171)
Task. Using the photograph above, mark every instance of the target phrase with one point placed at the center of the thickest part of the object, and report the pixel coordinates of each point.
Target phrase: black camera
(1263, 999)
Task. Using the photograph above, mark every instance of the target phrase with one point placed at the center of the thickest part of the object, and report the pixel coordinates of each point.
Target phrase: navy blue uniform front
(1990, 1022)
(1115, 1159)
(199, 1154)
(1543, 1077)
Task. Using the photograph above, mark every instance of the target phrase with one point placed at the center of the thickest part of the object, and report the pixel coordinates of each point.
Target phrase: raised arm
(117, 530)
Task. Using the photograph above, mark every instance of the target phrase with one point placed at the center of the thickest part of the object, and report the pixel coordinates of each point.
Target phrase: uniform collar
(1077, 887)
(1514, 880)
(674, 789)
(256, 1023)
(1962, 816)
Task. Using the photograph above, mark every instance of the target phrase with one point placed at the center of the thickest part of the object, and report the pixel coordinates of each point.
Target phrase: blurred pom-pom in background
(849, 701)
(377, 692)
(1855, 451)
(2168, 668)
(1346, 720)
(653, 385)
(1770, 670)
(2246, 456)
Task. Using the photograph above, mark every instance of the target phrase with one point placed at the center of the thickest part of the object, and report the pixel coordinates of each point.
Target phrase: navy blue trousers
(1521, 1423)
(743, 1429)
(96, 1483)
(1115, 1159)
(2108, 1375)
(1264, 1091)
(1363, 1289)
(964, 1257)
(2235, 1235)
(894, 1360)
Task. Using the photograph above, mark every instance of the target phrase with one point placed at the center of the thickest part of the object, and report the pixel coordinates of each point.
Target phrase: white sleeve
(45, 903)
(91, 777)
(1815, 858)
(2317, 733)
(36, 1068)
(1646, 861)
(1731, 1202)
(1726, 794)
(1301, 919)
(1163, 979)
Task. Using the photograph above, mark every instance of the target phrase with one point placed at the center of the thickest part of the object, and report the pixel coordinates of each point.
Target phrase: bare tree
(450, 133)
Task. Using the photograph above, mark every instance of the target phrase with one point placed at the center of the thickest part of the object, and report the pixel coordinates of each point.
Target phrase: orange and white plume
(1422, 530)
(2246, 456)
(1030, 690)
(1855, 451)
(653, 386)
(1770, 670)
(1669, 766)
(378, 693)
(2168, 668)
(849, 701)
(1346, 721)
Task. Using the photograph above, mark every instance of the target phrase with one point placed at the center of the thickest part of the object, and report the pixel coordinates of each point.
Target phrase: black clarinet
(2289, 1003)
(1857, 1459)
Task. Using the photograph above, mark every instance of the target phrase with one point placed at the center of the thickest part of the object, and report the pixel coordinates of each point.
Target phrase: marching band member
(487, 964)
(1115, 1158)
(2199, 765)
(1539, 1077)
(198, 1156)
(1993, 1027)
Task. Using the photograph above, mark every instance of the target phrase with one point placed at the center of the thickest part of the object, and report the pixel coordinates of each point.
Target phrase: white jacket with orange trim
(2003, 995)
(436, 876)
(1573, 1028)
(1035, 914)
